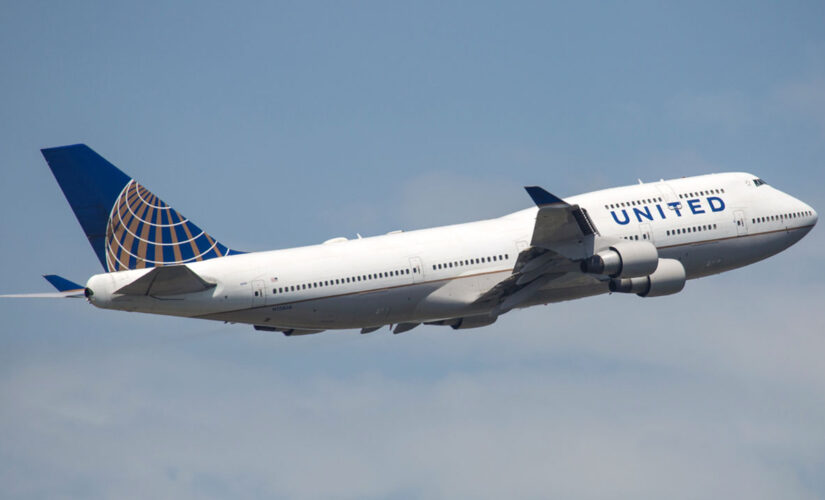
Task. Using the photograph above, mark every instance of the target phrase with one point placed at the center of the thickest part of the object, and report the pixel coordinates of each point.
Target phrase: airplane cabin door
(739, 220)
(258, 293)
(646, 234)
(668, 197)
(416, 269)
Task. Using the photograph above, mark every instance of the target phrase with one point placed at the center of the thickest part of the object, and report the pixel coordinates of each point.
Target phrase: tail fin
(128, 226)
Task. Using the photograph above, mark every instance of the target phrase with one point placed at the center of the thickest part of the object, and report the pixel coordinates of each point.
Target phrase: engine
(669, 278)
(625, 259)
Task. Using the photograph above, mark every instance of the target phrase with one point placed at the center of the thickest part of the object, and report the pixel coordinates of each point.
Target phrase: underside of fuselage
(442, 300)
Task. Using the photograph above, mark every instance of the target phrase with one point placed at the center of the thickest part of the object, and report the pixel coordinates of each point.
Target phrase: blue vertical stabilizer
(127, 226)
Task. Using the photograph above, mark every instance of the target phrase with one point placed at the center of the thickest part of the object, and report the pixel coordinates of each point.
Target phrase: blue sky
(283, 124)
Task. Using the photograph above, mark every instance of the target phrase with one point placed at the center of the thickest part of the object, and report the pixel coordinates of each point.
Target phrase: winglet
(61, 283)
(542, 197)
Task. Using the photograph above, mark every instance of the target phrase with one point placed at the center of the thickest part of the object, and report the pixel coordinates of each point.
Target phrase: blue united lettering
(695, 206)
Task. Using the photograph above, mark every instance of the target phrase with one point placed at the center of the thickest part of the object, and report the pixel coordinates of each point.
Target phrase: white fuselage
(711, 223)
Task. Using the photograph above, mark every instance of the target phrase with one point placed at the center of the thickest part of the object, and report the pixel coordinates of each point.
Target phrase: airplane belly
(355, 310)
(705, 259)
(561, 294)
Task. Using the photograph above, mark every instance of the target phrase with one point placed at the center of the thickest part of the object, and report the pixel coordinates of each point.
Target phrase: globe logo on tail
(143, 231)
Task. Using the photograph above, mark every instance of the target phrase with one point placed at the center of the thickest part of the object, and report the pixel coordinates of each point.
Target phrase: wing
(563, 235)
(557, 222)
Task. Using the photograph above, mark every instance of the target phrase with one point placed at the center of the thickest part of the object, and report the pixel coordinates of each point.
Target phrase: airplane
(646, 239)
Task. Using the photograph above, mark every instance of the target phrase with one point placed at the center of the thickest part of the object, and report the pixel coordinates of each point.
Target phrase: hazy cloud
(438, 198)
(806, 98)
(698, 395)
(728, 111)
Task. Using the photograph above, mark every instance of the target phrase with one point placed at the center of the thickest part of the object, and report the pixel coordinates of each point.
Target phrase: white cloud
(715, 392)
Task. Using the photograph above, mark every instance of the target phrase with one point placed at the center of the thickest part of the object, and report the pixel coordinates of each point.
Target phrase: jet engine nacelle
(625, 259)
(669, 278)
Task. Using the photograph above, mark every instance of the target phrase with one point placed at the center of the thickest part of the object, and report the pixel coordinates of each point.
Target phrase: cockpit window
(758, 182)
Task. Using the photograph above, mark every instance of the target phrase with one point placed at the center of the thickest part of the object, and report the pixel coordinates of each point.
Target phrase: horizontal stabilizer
(73, 294)
(167, 280)
(61, 283)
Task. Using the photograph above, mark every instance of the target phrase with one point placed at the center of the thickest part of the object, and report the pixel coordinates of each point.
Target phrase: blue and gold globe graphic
(143, 231)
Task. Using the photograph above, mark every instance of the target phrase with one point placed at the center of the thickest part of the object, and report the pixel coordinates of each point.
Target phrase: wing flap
(167, 280)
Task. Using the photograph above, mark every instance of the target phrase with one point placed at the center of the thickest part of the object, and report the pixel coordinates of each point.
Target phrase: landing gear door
(416, 269)
(739, 220)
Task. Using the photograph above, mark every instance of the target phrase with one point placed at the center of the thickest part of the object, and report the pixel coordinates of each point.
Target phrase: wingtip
(541, 197)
